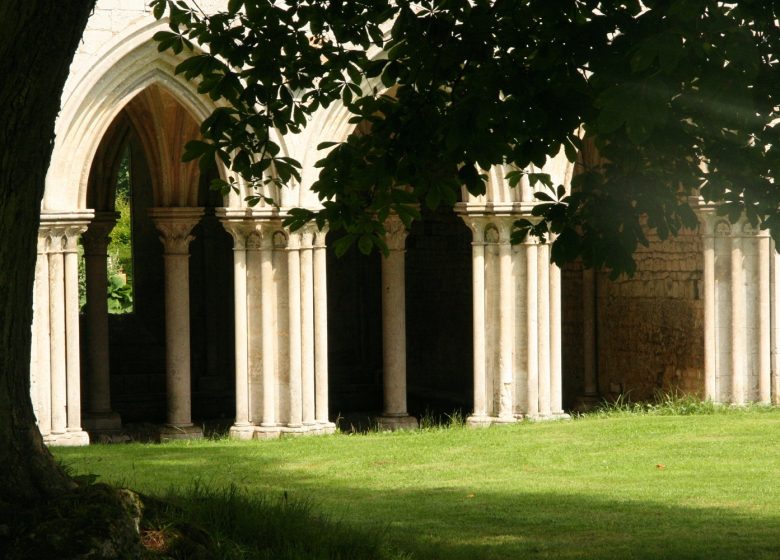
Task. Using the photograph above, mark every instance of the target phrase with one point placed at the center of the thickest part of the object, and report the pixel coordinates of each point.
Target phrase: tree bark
(38, 39)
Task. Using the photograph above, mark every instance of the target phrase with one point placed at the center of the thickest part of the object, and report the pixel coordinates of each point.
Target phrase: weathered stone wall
(650, 334)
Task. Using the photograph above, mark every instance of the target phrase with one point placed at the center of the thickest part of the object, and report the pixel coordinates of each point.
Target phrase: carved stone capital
(72, 233)
(308, 234)
(96, 238)
(395, 233)
(320, 236)
(239, 230)
(175, 227)
(61, 230)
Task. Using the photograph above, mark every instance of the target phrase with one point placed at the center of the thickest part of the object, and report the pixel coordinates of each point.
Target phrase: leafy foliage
(120, 248)
(655, 100)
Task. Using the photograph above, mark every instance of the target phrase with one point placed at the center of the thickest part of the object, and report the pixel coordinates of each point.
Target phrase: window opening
(120, 247)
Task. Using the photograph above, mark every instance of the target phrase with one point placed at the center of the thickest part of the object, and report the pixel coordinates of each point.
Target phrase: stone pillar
(479, 417)
(774, 270)
(517, 324)
(268, 423)
(532, 325)
(395, 415)
(242, 428)
(740, 311)
(99, 417)
(738, 320)
(59, 382)
(506, 330)
(57, 371)
(556, 343)
(72, 344)
(764, 321)
(544, 330)
(175, 227)
(321, 332)
(41, 359)
(294, 299)
(711, 390)
(307, 327)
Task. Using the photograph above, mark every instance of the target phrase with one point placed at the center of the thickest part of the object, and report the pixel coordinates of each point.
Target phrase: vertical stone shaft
(241, 321)
(532, 408)
(556, 340)
(42, 334)
(59, 382)
(738, 322)
(294, 298)
(320, 328)
(710, 348)
(544, 328)
(505, 325)
(95, 263)
(478, 280)
(175, 226)
(775, 318)
(268, 331)
(72, 346)
(764, 333)
(307, 326)
(394, 321)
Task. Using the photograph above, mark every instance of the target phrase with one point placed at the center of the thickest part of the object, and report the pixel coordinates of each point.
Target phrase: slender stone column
(764, 334)
(711, 391)
(42, 335)
(531, 248)
(505, 324)
(321, 331)
(98, 417)
(294, 299)
(307, 326)
(775, 318)
(62, 373)
(479, 416)
(268, 424)
(175, 227)
(242, 427)
(395, 415)
(72, 345)
(544, 330)
(556, 340)
(738, 321)
(59, 383)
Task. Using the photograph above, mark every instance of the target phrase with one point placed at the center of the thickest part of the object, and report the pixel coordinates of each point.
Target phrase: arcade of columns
(281, 346)
(281, 312)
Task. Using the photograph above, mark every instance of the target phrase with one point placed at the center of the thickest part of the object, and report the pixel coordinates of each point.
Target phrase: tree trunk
(38, 39)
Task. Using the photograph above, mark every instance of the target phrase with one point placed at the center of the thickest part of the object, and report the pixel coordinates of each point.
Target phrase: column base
(68, 439)
(548, 417)
(479, 421)
(174, 433)
(243, 432)
(395, 423)
(102, 422)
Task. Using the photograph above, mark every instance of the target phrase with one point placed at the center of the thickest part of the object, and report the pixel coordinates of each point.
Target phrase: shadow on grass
(456, 522)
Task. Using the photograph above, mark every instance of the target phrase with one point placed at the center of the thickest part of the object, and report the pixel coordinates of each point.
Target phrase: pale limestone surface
(118, 80)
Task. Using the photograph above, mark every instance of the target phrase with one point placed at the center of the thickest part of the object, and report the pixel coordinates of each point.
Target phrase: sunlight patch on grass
(543, 490)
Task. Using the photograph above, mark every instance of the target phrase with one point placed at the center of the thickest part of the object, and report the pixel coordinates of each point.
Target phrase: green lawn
(627, 486)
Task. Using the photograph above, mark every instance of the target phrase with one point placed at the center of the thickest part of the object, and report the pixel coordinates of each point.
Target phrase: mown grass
(611, 485)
